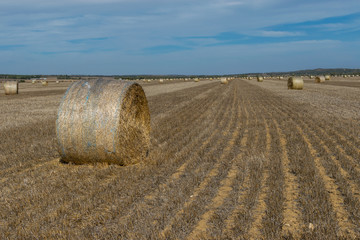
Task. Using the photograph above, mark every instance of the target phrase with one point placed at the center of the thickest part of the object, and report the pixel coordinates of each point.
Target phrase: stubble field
(243, 160)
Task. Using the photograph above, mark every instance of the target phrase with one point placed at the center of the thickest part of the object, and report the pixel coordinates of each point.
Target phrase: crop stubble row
(232, 163)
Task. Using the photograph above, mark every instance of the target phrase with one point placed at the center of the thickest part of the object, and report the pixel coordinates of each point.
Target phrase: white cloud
(279, 34)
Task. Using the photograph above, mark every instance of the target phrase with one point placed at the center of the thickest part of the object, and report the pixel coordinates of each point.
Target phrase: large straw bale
(295, 83)
(320, 79)
(196, 79)
(11, 87)
(103, 121)
(44, 83)
(327, 77)
(224, 80)
(260, 79)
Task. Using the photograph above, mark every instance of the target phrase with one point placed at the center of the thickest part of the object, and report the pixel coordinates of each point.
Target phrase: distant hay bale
(33, 81)
(311, 77)
(44, 83)
(327, 77)
(57, 82)
(196, 79)
(148, 80)
(260, 79)
(161, 80)
(104, 121)
(320, 79)
(11, 87)
(224, 81)
(295, 83)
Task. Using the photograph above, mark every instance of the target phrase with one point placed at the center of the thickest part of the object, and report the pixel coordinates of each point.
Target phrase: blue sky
(177, 36)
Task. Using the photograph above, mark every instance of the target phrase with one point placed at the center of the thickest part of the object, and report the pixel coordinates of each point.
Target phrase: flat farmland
(246, 160)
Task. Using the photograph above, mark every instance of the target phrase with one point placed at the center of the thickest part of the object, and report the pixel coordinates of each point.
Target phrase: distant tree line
(19, 77)
(67, 77)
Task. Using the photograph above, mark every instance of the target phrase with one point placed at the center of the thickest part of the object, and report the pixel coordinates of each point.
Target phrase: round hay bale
(196, 79)
(320, 79)
(295, 83)
(57, 82)
(161, 80)
(11, 87)
(224, 81)
(327, 77)
(104, 121)
(33, 81)
(44, 83)
(260, 79)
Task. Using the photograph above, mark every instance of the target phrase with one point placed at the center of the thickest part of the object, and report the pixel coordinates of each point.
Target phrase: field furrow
(246, 160)
(225, 185)
(208, 178)
(236, 223)
(335, 197)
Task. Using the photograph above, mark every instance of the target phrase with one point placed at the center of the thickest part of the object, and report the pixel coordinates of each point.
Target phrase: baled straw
(260, 79)
(295, 83)
(44, 83)
(103, 121)
(327, 77)
(320, 79)
(11, 87)
(224, 80)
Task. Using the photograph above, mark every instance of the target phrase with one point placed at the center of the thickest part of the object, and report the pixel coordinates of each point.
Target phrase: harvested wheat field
(246, 160)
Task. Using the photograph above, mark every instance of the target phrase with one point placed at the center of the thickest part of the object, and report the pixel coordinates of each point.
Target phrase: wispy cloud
(163, 49)
(147, 34)
(86, 51)
(279, 33)
(10, 47)
(88, 40)
(337, 23)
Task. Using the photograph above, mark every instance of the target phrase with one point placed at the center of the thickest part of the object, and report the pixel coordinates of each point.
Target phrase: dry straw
(327, 77)
(161, 80)
(260, 79)
(224, 80)
(196, 79)
(11, 87)
(295, 83)
(44, 83)
(320, 79)
(103, 121)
